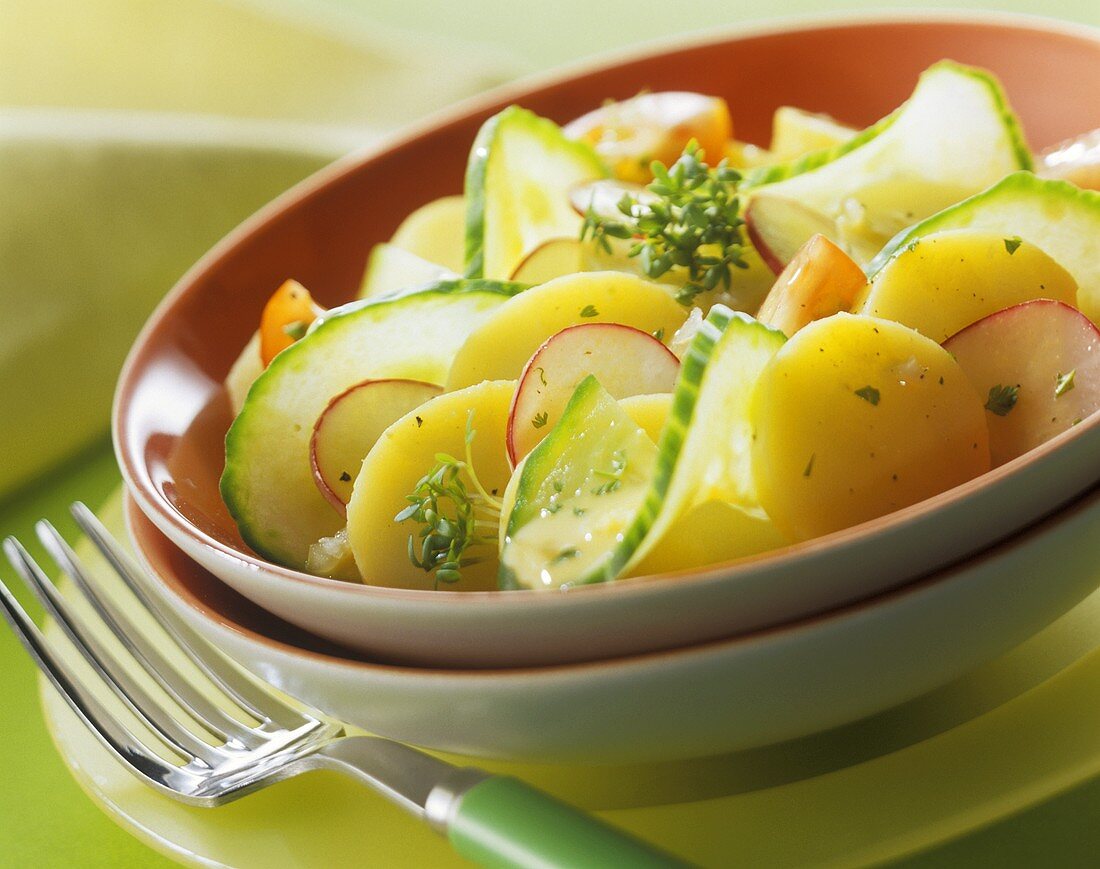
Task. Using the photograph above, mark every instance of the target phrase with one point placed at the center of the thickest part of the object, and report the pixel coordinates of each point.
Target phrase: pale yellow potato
(244, 372)
(948, 280)
(436, 232)
(501, 346)
(406, 452)
(649, 412)
(710, 533)
(856, 417)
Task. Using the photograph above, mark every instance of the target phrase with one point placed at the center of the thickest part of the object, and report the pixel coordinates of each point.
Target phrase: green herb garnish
(1063, 383)
(454, 518)
(613, 477)
(589, 311)
(1002, 399)
(693, 222)
(539, 420)
(868, 394)
(1013, 244)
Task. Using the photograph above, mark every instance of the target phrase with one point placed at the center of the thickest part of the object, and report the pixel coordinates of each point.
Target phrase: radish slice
(347, 429)
(626, 361)
(778, 227)
(1038, 364)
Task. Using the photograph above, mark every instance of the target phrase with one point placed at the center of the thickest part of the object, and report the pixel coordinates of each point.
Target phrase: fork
(235, 736)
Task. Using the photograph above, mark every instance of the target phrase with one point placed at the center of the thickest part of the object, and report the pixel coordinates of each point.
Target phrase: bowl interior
(171, 414)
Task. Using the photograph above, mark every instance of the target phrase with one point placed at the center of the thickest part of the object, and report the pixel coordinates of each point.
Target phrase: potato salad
(637, 345)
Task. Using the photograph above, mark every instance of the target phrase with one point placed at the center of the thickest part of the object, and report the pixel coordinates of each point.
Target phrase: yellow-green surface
(126, 228)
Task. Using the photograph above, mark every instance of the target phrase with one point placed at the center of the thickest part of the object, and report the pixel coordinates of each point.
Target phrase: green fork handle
(502, 822)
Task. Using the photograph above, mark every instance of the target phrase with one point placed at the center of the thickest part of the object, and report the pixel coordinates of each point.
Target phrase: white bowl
(757, 689)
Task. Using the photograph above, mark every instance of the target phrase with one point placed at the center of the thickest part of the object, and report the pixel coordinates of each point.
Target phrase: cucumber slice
(1056, 216)
(703, 454)
(952, 138)
(518, 179)
(267, 483)
(391, 269)
(577, 490)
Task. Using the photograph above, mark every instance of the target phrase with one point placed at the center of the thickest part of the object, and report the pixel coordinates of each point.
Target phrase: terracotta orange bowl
(171, 413)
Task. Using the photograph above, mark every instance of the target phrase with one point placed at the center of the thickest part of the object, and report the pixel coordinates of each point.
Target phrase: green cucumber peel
(577, 158)
(703, 451)
(816, 159)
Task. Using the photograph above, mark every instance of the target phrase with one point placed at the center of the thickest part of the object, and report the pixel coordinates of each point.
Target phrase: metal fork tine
(121, 742)
(107, 665)
(259, 702)
(165, 674)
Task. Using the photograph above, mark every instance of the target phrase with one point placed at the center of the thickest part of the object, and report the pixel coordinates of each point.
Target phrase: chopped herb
(454, 519)
(558, 486)
(539, 420)
(345, 477)
(1002, 399)
(1063, 383)
(809, 465)
(1013, 244)
(868, 394)
(659, 334)
(553, 508)
(296, 329)
(542, 376)
(419, 422)
(579, 511)
(564, 555)
(690, 219)
(589, 311)
(608, 487)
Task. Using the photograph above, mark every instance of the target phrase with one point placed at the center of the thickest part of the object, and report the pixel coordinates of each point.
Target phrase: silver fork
(220, 755)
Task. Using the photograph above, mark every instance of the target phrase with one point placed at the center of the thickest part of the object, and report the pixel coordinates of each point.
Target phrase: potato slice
(945, 281)
(407, 451)
(856, 417)
(500, 348)
(436, 232)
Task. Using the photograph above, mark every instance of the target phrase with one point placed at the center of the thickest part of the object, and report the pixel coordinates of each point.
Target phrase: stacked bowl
(695, 663)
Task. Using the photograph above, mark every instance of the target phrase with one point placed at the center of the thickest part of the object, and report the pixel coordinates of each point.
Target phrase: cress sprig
(692, 221)
(453, 518)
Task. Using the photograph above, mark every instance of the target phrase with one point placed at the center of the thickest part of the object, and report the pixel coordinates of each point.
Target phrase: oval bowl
(758, 689)
(171, 415)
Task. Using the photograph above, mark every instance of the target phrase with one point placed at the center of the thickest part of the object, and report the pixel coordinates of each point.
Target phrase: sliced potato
(436, 232)
(710, 533)
(407, 451)
(649, 412)
(948, 280)
(244, 372)
(500, 348)
(856, 417)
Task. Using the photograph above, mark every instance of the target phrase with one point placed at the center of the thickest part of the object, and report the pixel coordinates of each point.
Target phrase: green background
(260, 61)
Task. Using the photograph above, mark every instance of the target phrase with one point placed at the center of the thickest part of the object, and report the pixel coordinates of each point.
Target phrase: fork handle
(502, 822)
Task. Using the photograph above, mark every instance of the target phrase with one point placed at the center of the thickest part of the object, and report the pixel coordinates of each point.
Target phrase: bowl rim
(152, 503)
(864, 607)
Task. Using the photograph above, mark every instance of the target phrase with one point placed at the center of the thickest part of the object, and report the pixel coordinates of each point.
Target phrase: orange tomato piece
(820, 281)
(284, 320)
(631, 134)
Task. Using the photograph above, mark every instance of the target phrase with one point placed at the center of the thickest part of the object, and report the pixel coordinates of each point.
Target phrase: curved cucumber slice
(518, 179)
(267, 483)
(577, 490)
(1056, 216)
(703, 454)
(953, 137)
